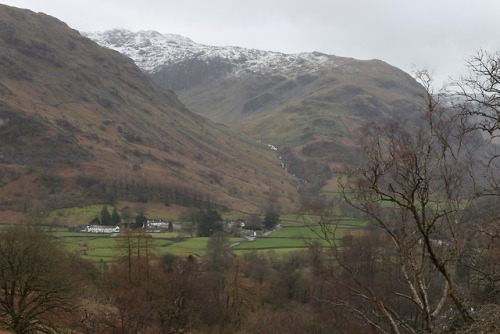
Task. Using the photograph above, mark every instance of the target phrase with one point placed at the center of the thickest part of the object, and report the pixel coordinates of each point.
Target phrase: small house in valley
(101, 229)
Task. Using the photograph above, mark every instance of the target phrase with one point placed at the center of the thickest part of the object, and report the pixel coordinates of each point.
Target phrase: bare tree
(35, 282)
(479, 107)
(481, 92)
(130, 280)
(218, 251)
(479, 103)
(136, 250)
(413, 182)
(178, 292)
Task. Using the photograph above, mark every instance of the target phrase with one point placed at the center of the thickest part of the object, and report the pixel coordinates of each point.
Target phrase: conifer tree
(115, 217)
(105, 216)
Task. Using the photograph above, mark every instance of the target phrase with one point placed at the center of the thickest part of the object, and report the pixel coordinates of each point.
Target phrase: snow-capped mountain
(232, 84)
(153, 51)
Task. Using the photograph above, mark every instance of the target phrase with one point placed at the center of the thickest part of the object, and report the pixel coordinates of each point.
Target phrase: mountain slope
(80, 122)
(309, 105)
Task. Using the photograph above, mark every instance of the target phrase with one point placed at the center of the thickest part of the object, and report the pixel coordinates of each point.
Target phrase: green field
(100, 247)
(62, 234)
(307, 219)
(86, 211)
(187, 246)
(289, 238)
(263, 243)
(190, 246)
(278, 251)
(299, 232)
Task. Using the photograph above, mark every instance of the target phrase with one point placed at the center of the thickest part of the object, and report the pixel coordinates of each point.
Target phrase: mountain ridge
(153, 51)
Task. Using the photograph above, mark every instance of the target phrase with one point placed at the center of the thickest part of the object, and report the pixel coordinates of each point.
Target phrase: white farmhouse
(157, 223)
(102, 229)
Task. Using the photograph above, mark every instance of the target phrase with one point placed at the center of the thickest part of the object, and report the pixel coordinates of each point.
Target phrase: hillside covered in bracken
(80, 123)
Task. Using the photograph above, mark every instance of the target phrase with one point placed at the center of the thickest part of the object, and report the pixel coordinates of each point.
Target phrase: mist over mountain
(309, 105)
(82, 123)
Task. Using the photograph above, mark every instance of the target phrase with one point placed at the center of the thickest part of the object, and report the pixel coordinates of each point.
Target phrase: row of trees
(127, 215)
(107, 218)
(204, 223)
(144, 188)
(139, 187)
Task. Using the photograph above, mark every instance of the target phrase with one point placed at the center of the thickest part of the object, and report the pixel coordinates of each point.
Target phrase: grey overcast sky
(435, 34)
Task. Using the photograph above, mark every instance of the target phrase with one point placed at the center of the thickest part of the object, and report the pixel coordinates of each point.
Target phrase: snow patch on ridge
(152, 51)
